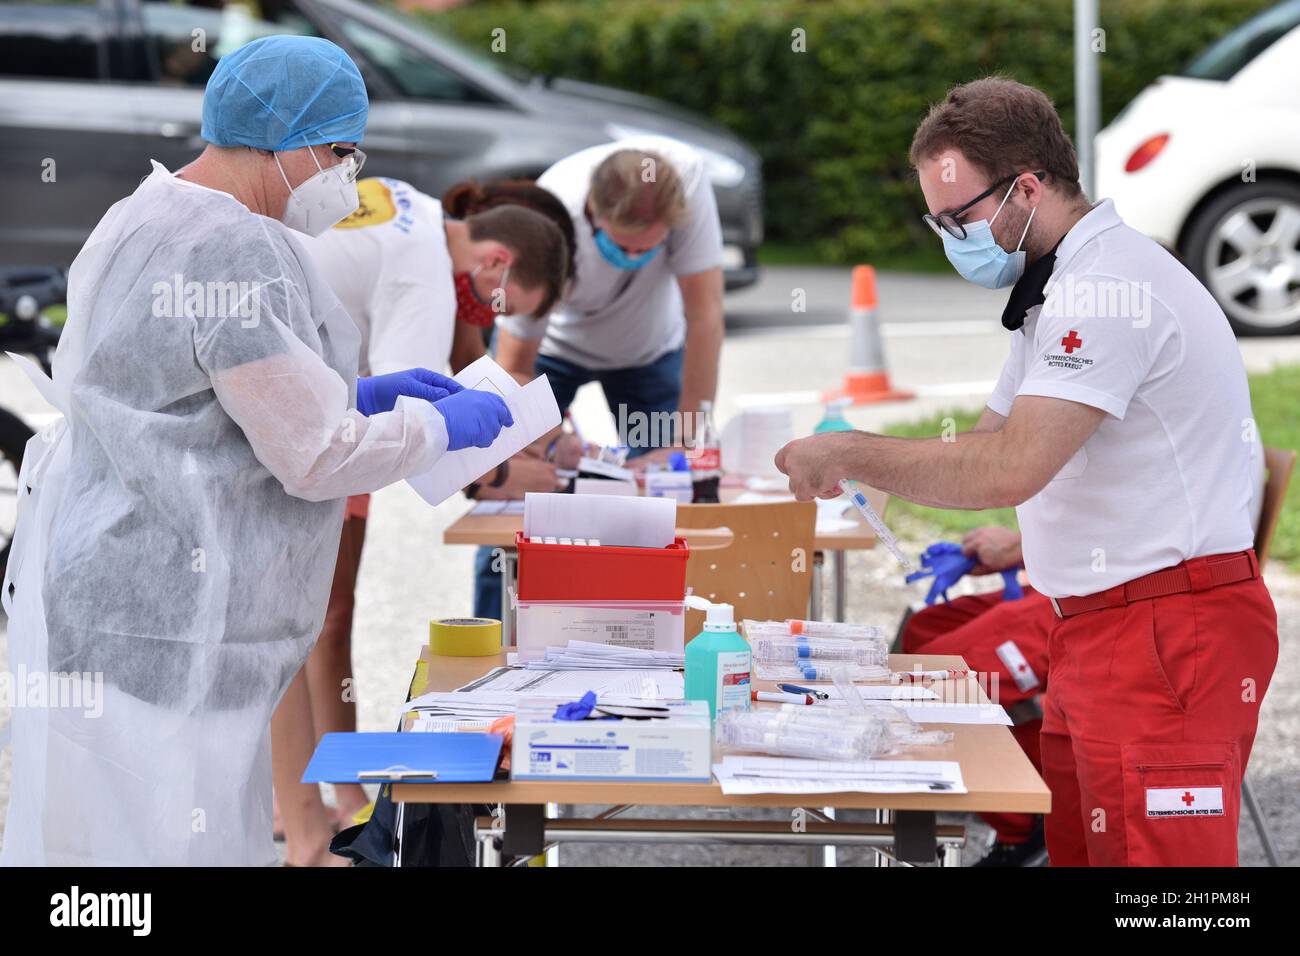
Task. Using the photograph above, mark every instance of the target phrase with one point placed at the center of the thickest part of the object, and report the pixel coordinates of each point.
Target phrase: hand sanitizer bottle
(718, 660)
(834, 420)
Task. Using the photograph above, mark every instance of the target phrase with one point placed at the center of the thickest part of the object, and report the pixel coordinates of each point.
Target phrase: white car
(1208, 164)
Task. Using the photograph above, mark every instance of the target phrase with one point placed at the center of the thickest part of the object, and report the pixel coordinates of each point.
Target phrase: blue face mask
(980, 259)
(616, 257)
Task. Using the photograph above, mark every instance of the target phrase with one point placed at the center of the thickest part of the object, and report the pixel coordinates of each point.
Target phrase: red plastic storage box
(580, 572)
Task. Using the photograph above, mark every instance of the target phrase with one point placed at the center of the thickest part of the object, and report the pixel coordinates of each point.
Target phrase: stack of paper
(749, 775)
(586, 655)
(495, 693)
(613, 520)
(535, 413)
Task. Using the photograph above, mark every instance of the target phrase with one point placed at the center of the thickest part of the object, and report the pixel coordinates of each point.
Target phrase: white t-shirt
(620, 318)
(389, 265)
(1173, 470)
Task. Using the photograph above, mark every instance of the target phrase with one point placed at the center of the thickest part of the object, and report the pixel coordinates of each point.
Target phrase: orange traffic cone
(868, 377)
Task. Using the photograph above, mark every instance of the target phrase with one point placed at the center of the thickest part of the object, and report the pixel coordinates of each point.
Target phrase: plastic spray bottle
(718, 660)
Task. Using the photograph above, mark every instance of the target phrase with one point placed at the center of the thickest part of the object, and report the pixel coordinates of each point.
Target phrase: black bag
(434, 834)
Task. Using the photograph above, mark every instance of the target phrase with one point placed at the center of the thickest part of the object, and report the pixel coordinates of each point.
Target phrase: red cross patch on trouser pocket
(1181, 803)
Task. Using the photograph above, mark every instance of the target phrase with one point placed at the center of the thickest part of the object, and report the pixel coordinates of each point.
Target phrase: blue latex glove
(578, 709)
(474, 417)
(946, 563)
(379, 393)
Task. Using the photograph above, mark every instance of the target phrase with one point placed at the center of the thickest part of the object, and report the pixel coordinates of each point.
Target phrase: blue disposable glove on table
(947, 564)
(474, 417)
(379, 393)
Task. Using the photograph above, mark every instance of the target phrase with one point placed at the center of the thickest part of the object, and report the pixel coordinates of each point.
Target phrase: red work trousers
(976, 626)
(1149, 724)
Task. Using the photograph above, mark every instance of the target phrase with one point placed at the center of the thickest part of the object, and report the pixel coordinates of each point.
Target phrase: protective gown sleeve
(295, 410)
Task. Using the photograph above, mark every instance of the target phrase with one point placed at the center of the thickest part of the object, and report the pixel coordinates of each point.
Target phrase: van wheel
(1245, 247)
(14, 435)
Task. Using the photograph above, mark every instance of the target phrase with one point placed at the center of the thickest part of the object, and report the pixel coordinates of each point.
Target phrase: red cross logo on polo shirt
(1072, 342)
(1188, 798)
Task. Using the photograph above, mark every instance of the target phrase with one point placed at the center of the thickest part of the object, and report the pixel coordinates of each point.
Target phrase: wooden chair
(1279, 463)
(753, 568)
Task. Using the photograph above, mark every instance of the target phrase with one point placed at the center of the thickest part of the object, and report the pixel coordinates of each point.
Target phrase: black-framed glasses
(358, 158)
(948, 221)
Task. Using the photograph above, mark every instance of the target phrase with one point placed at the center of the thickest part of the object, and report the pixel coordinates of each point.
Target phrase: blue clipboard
(404, 758)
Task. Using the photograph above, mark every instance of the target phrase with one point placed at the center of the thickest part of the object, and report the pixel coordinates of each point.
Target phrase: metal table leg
(912, 830)
(487, 846)
(815, 600)
(1257, 815)
(951, 854)
(839, 583)
(826, 854)
(509, 578)
(553, 851)
(885, 817)
(399, 833)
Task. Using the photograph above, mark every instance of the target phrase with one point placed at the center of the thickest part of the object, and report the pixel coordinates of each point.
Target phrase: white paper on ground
(535, 412)
(740, 774)
(614, 520)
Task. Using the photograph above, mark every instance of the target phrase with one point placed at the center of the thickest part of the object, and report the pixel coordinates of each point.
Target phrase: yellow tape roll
(465, 637)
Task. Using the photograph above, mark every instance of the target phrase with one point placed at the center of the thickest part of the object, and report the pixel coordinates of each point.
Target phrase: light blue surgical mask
(980, 259)
(616, 257)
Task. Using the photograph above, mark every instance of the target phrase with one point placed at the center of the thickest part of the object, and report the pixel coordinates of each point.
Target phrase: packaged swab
(853, 632)
(809, 670)
(850, 488)
(789, 648)
(785, 733)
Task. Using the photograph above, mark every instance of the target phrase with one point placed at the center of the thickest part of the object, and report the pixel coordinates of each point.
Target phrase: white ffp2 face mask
(321, 201)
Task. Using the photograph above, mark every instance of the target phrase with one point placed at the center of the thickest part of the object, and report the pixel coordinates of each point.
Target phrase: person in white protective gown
(178, 528)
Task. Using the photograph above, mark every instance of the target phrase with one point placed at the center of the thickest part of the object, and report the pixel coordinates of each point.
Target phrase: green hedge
(833, 124)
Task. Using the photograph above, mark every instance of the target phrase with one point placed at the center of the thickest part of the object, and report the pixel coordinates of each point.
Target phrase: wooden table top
(997, 774)
(499, 530)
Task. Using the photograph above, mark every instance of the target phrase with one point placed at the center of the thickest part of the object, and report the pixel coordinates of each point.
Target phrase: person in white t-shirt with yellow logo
(403, 271)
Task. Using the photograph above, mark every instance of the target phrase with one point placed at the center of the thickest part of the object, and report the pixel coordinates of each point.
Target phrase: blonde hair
(636, 188)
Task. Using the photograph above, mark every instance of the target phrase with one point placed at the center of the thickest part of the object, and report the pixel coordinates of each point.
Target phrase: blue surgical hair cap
(285, 92)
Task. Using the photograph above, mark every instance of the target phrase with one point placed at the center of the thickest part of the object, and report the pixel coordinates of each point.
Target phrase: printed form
(535, 412)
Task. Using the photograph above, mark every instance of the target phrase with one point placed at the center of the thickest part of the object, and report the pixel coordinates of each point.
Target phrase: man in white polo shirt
(1121, 428)
(644, 315)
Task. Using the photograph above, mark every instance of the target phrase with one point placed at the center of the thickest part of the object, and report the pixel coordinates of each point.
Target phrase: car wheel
(14, 434)
(1245, 247)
